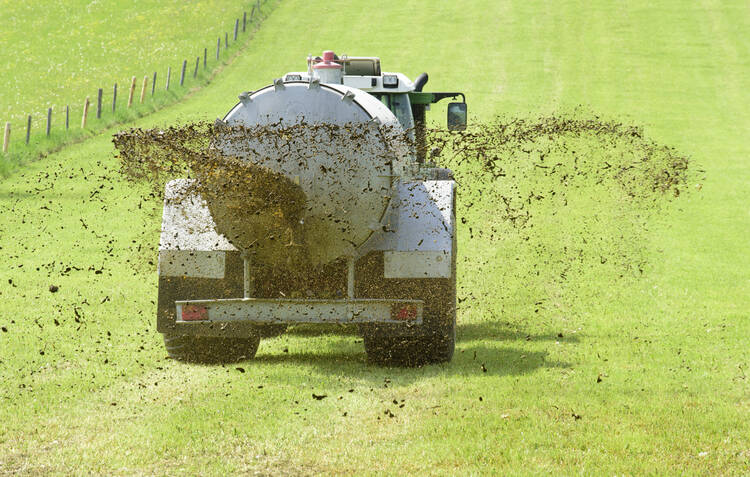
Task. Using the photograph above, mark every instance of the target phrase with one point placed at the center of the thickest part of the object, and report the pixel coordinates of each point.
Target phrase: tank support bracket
(350, 278)
(247, 281)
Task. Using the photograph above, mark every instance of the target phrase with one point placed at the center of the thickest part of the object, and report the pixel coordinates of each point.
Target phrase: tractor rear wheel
(209, 349)
(431, 342)
(434, 346)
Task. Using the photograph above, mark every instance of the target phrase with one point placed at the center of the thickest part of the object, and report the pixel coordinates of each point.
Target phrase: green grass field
(641, 375)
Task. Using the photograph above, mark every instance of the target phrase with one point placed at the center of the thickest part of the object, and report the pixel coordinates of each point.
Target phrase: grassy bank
(103, 44)
(643, 375)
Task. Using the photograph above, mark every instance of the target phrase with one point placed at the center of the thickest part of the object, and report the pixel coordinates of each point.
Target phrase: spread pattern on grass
(625, 376)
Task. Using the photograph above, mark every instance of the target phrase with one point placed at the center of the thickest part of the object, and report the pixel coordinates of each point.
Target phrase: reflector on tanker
(194, 313)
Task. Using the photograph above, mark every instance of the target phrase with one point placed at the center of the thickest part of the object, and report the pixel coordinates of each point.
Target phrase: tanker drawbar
(313, 204)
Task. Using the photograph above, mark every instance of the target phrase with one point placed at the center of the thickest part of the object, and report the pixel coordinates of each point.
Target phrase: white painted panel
(422, 218)
(417, 264)
(192, 263)
(186, 222)
(425, 216)
(360, 82)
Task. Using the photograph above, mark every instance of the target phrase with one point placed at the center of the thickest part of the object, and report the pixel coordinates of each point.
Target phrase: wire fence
(149, 80)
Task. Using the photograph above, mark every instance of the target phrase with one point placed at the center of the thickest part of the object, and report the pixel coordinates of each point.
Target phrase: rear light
(404, 311)
(194, 313)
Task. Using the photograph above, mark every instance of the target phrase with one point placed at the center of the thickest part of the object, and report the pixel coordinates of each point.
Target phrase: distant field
(57, 53)
(598, 374)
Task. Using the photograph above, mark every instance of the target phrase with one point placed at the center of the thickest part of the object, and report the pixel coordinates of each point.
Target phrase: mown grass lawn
(640, 375)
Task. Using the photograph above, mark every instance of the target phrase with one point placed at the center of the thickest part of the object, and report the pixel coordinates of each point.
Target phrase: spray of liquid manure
(555, 204)
(540, 200)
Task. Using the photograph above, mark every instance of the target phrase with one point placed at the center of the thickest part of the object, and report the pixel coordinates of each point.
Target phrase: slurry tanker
(374, 222)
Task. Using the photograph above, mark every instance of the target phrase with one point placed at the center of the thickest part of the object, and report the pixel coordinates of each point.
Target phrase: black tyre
(271, 331)
(429, 343)
(435, 345)
(209, 349)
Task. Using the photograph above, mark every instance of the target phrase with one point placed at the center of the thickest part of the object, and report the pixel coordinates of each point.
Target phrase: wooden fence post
(218, 47)
(114, 98)
(244, 21)
(6, 138)
(182, 75)
(132, 90)
(169, 75)
(153, 84)
(252, 13)
(236, 28)
(85, 113)
(49, 120)
(99, 104)
(67, 116)
(143, 88)
(226, 40)
(28, 128)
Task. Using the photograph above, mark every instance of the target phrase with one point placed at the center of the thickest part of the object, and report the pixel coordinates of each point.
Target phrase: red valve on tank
(328, 61)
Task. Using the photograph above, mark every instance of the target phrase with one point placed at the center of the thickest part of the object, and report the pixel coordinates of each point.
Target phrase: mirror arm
(438, 96)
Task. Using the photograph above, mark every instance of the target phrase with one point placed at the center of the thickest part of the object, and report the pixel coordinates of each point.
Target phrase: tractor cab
(404, 98)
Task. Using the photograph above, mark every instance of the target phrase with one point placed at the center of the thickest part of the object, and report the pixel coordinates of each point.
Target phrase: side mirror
(456, 116)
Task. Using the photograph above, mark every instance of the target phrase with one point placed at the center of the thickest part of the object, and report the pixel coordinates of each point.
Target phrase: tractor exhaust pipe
(420, 82)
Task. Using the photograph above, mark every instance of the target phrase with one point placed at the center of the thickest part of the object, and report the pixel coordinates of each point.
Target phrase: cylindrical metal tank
(347, 167)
